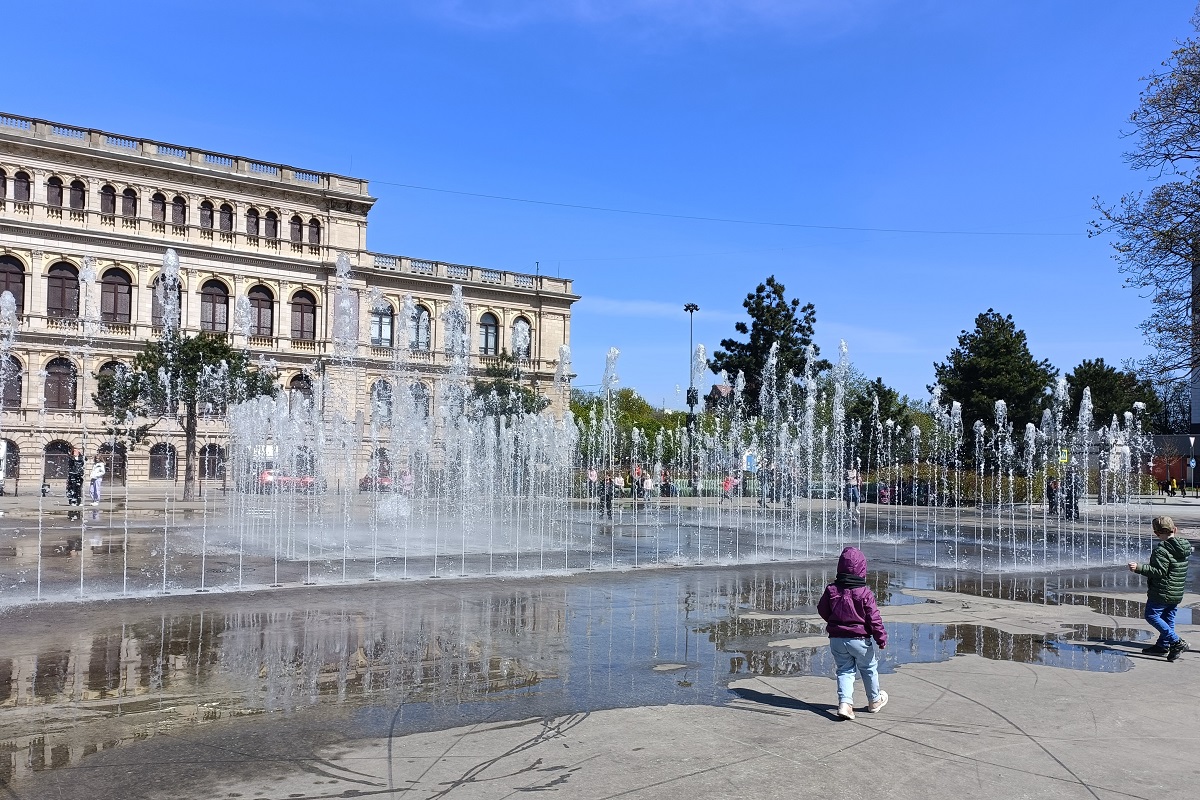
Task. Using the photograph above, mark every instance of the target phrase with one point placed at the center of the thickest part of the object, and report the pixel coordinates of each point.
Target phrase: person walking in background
(856, 632)
(75, 478)
(607, 490)
(97, 478)
(727, 487)
(591, 482)
(852, 491)
(1166, 574)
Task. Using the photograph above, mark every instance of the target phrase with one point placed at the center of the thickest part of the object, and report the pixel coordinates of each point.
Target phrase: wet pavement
(343, 691)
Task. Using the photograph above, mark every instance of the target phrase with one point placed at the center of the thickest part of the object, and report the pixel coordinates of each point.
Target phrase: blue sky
(844, 115)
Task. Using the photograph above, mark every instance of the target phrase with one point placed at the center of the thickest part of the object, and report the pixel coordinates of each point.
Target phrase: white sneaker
(878, 703)
(845, 711)
(95, 503)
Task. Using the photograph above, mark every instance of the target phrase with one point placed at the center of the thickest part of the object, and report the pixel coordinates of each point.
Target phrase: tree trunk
(189, 449)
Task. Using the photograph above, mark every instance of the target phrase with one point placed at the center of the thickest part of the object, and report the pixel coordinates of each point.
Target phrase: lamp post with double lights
(693, 396)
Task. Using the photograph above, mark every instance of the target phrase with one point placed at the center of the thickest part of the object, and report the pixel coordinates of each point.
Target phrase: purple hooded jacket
(850, 610)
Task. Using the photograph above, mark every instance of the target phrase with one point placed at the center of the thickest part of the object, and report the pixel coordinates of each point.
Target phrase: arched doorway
(56, 454)
(162, 462)
(12, 460)
(212, 462)
(114, 461)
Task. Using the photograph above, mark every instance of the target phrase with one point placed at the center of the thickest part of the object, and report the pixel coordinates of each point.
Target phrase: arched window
(271, 225)
(129, 203)
(12, 279)
(114, 461)
(301, 389)
(522, 339)
(12, 460)
(252, 222)
(10, 382)
(162, 462)
(108, 200)
(62, 291)
(304, 317)
(21, 187)
(3, 184)
(206, 215)
(116, 296)
(159, 302)
(158, 207)
(314, 231)
(60, 385)
(112, 369)
(297, 230)
(420, 398)
(422, 325)
(214, 307)
(226, 218)
(381, 327)
(262, 311)
(212, 461)
(54, 192)
(179, 212)
(78, 196)
(381, 400)
(489, 335)
(56, 454)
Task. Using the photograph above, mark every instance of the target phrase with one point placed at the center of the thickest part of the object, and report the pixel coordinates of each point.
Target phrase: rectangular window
(115, 302)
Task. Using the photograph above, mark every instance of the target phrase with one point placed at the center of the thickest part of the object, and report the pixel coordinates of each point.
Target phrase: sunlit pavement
(688, 684)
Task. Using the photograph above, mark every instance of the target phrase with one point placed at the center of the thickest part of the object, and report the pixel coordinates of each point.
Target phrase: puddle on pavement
(417, 657)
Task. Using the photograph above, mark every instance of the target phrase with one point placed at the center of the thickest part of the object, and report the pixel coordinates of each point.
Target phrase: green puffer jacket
(1167, 570)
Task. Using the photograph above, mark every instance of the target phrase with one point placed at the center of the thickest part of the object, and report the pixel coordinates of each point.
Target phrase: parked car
(376, 483)
(273, 479)
(820, 489)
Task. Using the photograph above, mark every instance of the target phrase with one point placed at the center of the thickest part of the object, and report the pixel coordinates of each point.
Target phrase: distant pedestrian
(592, 477)
(855, 631)
(1166, 574)
(852, 491)
(75, 478)
(607, 490)
(727, 487)
(97, 478)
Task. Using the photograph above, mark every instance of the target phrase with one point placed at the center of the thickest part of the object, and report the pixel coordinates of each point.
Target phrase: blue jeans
(1162, 619)
(851, 656)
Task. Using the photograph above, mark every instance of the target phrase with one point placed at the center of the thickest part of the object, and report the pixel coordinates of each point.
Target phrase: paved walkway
(967, 727)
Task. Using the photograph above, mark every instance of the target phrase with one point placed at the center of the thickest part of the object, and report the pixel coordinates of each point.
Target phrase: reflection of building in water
(98, 691)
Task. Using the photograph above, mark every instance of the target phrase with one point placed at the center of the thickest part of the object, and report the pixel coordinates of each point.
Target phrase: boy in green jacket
(1167, 574)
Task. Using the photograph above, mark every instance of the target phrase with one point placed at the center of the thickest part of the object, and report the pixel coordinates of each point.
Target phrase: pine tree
(773, 318)
(992, 363)
(1113, 391)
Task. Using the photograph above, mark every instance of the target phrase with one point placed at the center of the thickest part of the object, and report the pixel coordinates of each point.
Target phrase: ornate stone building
(85, 219)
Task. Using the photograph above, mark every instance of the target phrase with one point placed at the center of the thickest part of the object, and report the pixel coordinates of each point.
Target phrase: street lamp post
(1191, 461)
(693, 396)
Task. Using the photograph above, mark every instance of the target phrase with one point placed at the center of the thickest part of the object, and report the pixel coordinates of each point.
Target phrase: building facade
(85, 220)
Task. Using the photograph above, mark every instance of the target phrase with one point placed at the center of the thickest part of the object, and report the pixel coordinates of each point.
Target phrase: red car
(375, 483)
(276, 480)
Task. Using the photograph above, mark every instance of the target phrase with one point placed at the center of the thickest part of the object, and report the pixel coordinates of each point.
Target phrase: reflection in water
(485, 651)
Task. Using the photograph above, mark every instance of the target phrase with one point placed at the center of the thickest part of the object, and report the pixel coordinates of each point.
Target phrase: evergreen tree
(773, 318)
(1114, 391)
(197, 373)
(992, 363)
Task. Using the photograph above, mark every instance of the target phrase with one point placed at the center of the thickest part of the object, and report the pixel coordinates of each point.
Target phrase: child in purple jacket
(855, 631)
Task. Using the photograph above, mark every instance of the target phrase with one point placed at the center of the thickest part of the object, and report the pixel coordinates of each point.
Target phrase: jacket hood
(1180, 548)
(852, 562)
